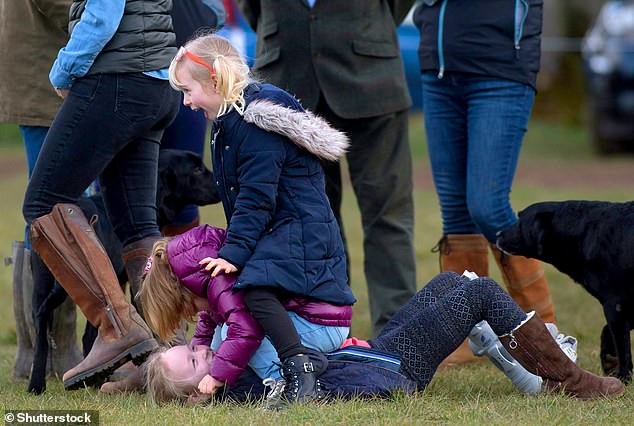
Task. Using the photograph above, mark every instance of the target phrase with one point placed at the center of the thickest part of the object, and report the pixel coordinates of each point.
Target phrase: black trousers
(268, 311)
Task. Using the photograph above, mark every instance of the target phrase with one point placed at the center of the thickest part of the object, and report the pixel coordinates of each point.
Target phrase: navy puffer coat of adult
(281, 230)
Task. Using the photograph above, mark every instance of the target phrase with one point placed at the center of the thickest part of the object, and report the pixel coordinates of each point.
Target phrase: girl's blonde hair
(158, 384)
(165, 301)
(232, 72)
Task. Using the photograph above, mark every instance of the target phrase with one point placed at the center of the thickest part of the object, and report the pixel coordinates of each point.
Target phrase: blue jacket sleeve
(97, 25)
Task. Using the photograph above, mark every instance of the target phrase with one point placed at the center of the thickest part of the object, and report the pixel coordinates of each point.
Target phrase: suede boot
(532, 345)
(67, 244)
(526, 283)
(24, 330)
(457, 253)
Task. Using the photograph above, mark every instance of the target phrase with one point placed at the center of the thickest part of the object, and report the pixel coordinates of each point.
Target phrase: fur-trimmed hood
(305, 129)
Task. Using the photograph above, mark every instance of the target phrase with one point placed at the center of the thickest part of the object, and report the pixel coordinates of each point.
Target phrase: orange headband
(184, 52)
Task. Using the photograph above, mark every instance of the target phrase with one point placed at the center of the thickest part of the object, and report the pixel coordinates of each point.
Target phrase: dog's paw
(36, 387)
(624, 376)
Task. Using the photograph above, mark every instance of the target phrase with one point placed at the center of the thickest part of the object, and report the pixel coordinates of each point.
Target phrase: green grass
(472, 395)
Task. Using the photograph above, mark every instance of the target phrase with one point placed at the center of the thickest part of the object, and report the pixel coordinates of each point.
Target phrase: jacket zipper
(441, 24)
(521, 12)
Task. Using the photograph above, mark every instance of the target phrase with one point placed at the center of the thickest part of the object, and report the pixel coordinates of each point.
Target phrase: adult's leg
(427, 335)
(499, 111)
(101, 116)
(380, 166)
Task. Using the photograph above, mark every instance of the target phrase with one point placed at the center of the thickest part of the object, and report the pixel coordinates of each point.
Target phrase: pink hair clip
(148, 265)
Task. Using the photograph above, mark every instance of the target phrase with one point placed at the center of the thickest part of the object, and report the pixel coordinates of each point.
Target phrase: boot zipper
(113, 320)
(512, 342)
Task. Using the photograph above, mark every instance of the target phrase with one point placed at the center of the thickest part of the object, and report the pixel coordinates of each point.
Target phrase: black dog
(592, 242)
(182, 179)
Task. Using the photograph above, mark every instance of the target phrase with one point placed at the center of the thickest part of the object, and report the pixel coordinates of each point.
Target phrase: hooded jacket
(244, 334)
(498, 38)
(281, 230)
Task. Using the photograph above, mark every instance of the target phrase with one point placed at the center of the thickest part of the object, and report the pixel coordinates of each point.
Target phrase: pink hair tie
(148, 265)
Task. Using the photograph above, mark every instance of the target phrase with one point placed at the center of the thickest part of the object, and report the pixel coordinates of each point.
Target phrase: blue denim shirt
(97, 25)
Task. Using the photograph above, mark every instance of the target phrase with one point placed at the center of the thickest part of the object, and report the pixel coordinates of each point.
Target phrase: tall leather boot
(534, 347)
(24, 329)
(457, 253)
(67, 244)
(526, 283)
(135, 256)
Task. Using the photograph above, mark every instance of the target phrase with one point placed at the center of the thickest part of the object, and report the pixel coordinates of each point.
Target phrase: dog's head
(529, 236)
(183, 179)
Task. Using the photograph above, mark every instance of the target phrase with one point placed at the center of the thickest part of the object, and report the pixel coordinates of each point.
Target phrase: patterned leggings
(438, 319)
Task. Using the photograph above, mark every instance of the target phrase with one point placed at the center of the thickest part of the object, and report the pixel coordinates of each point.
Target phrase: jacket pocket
(268, 57)
(379, 49)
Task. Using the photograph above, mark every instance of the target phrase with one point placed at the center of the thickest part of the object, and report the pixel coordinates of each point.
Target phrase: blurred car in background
(608, 60)
(243, 38)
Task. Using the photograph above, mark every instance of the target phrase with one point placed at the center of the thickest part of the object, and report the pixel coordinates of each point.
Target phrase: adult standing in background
(112, 74)
(479, 62)
(31, 34)
(188, 131)
(343, 62)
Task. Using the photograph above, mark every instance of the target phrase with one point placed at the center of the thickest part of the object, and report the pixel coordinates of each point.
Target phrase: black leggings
(268, 311)
(439, 318)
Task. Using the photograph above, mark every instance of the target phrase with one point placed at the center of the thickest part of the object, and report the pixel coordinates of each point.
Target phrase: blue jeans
(475, 126)
(109, 126)
(265, 362)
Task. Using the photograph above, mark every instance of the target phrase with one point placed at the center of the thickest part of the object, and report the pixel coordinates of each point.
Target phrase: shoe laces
(568, 344)
(275, 392)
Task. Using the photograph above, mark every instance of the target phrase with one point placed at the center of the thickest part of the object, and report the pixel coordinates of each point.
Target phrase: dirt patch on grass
(599, 174)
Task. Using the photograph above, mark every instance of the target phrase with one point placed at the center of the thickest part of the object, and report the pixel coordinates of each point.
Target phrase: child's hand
(209, 385)
(217, 265)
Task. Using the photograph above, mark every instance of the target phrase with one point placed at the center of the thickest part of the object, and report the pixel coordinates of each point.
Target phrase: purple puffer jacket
(244, 333)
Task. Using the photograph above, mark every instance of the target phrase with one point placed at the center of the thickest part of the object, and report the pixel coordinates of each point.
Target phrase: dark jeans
(380, 167)
(109, 126)
(475, 126)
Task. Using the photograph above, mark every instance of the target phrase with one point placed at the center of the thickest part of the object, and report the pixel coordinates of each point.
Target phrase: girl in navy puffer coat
(282, 236)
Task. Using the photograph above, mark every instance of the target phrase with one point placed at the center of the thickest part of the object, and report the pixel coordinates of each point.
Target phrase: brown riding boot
(526, 283)
(173, 230)
(135, 256)
(67, 244)
(532, 345)
(457, 253)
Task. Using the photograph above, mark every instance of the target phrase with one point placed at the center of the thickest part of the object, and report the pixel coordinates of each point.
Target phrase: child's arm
(204, 330)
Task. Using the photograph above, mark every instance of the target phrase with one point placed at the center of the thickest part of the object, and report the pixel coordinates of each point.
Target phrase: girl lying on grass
(422, 333)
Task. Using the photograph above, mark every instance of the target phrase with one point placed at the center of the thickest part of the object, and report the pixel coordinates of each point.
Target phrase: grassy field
(471, 395)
